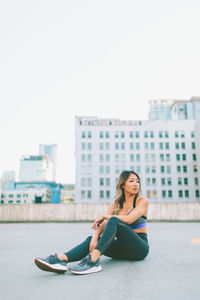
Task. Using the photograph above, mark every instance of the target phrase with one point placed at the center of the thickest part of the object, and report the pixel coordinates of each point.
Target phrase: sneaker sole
(92, 270)
(47, 267)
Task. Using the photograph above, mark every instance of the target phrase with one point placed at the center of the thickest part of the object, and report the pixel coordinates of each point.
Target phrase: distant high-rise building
(36, 168)
(51, 152)
(175, 109)
(8, 177)
(160, 110)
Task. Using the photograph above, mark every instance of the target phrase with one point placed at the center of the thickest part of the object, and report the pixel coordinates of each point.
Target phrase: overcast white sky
(61, 58)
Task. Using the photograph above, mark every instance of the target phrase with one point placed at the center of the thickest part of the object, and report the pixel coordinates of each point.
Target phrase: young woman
(121, 234)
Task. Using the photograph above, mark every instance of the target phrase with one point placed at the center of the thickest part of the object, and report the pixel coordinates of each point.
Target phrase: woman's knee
(113, 220)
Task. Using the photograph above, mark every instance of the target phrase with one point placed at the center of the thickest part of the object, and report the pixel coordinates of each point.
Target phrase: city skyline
(65, 59)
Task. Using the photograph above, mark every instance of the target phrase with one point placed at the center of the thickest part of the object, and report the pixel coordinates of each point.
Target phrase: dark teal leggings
(118, 241)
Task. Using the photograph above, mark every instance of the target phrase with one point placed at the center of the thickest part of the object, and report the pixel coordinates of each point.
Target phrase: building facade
(35, 168)
(51, 152)
(163, 153)
(28, 196)
(167, 109)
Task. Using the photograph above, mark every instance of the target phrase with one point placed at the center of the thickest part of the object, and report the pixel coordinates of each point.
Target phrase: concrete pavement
(171, 271)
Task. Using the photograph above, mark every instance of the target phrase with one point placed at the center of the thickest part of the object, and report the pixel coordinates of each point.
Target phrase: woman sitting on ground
(121, 234)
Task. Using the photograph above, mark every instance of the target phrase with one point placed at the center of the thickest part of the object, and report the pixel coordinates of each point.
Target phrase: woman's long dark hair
(120, 196)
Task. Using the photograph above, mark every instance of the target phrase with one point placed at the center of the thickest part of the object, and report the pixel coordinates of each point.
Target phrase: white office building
(163, 153)
(28, 196)
(35, 168)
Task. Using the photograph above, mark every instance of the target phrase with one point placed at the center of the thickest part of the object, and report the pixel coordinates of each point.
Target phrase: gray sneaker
(51, 264)
(86, 266)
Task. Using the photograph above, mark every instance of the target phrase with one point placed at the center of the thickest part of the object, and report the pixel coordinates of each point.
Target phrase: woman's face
(132, 185)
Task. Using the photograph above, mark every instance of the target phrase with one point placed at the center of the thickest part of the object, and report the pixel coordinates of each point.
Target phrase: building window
(122, 134)
(161, 157)
(167, 157)
(153, 169)
(107, 146)
(131, 146)
(116, 134)
(152, 146)
(83, 134)
(166, 134)
(138, 169)
(123, 146)
(186, 181)
(167, 146)
(183, 156)
(82, 194)
(147, 169)
(153, 181)
(100, 146)
(146, 157)
(11, 196)
(101, 181)
(193, 145)
(116, 146)
(168, 169)
(153, 157)
(182, 145)
(89, 134)
(169, 181)
(82, 157)
(148, 181)
(154, 194)
(196, 181)
(184, 169)
(194, 157)
(177, 156)
(178, 168)
(101, 134)
(180, 194)
(82, 146)
(197, 193)
(170, 194)
(176, 134)
(107, 181)
(131, 157)
(146, 134)
(131, 134)
(101, 169)
(137, 157)
(107, 194)
(163, 181)
(107, 157)
(89, 146)
(182, 134)
(146, 146)
(163, 194)
(101, 194)
(177, 145)
(107, 169)
(192, 134)
(186, 193)
(148, 194)
(137, 146)
(82, 181)
(151, 134)
(179, 181)
(89, 181)
(137, 134)
(160, 134)
(89, 194)
(161, 146)
(195, 168)
(107, 134)
(89, 157)
(162, 169)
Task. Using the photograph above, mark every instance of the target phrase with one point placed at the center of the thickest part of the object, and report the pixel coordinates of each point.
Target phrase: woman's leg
(129, 245)
(80, 251)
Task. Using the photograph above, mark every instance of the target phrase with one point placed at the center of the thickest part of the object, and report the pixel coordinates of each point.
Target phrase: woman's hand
(97, 222)
(93, 243)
